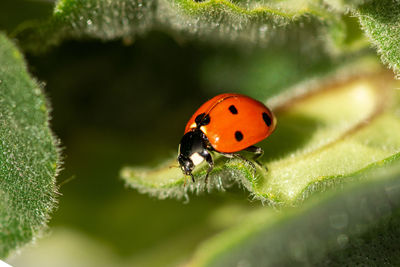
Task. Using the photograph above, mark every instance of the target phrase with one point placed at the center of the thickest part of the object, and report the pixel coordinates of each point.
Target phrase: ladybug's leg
(193, 180)
(207, 156)
(258, 152)
(248, 162)
(235, 155)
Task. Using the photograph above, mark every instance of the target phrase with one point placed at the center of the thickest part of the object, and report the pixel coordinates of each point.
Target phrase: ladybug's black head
(191, 151)
(186, 164)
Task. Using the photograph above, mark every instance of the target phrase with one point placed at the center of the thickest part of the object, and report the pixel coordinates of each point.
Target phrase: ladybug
(226, 124)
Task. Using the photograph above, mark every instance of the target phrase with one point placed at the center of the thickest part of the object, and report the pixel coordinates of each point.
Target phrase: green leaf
(358, 226)
(381, 22)
(250, 22)
(101, 19)
(325, 132)
(28, 153)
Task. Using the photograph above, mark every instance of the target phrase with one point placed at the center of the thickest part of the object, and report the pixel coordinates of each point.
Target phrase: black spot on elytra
(202, 119)
(206, 120)
(238, 136)
(266, 119)
(233, 109)
(199, 118)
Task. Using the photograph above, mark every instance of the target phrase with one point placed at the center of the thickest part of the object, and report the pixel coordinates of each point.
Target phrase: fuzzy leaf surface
(28, 153)
(380, 21)
(249, 22)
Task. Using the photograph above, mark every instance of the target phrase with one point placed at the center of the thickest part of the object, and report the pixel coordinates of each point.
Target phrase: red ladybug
(226, 124)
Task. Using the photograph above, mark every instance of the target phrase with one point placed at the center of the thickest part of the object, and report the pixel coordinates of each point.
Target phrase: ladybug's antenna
(173, 166)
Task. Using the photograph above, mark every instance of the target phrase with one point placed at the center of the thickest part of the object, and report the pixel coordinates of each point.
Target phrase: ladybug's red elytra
(227, 123)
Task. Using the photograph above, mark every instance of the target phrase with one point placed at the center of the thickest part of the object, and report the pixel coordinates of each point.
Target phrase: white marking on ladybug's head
(194, 125)
(196, 158)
